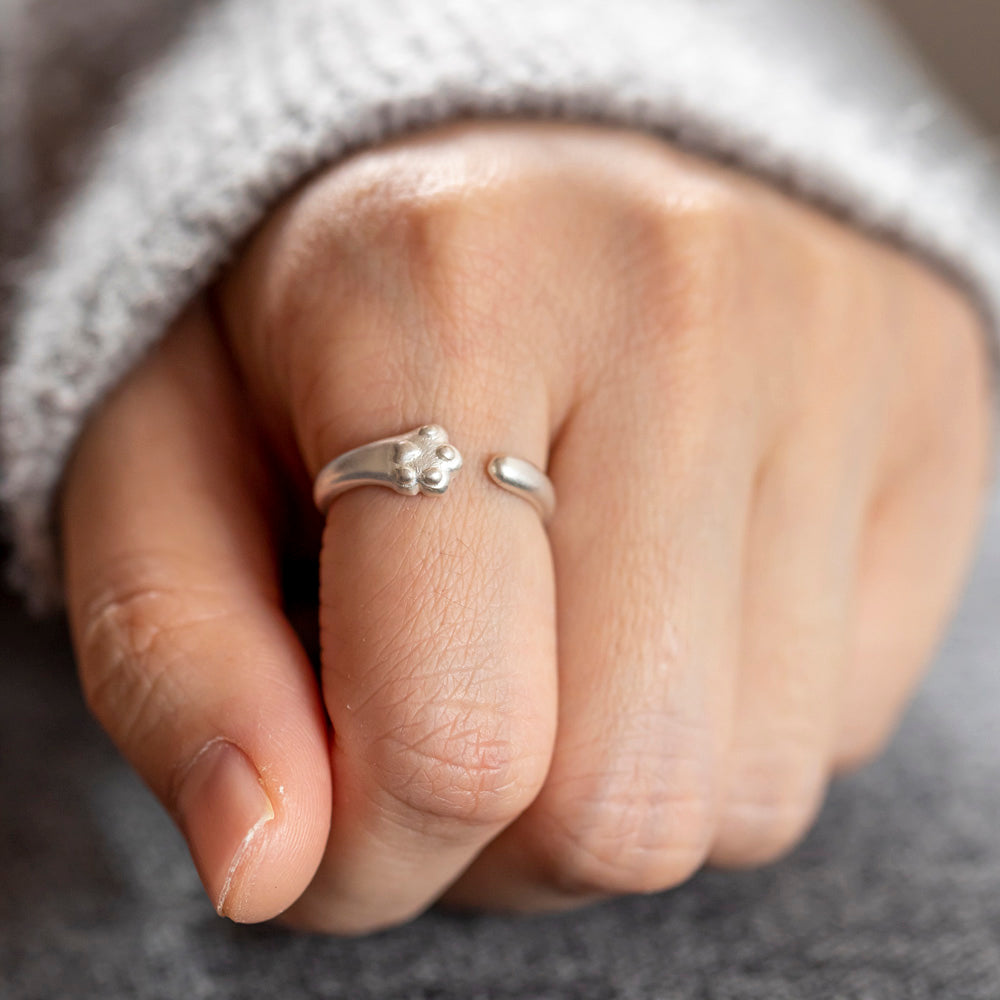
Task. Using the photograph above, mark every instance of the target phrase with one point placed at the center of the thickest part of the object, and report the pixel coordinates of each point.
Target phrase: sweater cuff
(256, 95)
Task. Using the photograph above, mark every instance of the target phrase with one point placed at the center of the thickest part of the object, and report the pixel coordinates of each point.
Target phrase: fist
(768, 436)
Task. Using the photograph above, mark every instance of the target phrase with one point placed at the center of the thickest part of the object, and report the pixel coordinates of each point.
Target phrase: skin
(769, 437)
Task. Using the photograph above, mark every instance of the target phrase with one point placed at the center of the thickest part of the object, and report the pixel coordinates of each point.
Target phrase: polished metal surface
(419, 461)
(525, 480)
(423, 461)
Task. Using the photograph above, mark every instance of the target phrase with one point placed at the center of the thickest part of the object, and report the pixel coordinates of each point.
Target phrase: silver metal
(525, 480)
(419, 461)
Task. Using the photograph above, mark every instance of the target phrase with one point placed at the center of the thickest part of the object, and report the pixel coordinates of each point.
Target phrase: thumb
(185, 655)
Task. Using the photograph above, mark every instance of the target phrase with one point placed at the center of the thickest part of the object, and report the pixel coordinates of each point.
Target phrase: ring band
(419, 461)
(423, 461)
(524, 480)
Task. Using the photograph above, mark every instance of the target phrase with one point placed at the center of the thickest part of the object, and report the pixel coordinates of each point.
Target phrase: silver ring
(419, 461)
(524, 480)
(423, 461)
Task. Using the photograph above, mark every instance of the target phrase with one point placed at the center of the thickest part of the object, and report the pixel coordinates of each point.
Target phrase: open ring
(423, 461)
(419, 461)
(524, 480)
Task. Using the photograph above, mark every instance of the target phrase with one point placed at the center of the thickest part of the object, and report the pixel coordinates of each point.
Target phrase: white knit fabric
(256, 94)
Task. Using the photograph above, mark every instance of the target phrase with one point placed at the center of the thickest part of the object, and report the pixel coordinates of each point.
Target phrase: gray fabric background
(895, 894)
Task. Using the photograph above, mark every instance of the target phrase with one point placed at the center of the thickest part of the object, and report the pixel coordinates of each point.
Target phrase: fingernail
(222, 807)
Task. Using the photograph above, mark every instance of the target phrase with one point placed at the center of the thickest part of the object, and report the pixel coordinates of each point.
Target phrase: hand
(769, 440)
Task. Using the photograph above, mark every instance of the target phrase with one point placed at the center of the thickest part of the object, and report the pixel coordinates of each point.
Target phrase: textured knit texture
(895, 895)
(250, 96)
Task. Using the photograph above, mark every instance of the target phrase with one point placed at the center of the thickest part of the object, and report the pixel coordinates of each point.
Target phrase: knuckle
(455, 730)
(397, 244)
(451, 739)
(685, 255)
(686, 269)
(627, 832)
(769, 809)
(125, 654)
(457, 251)
(455, 762)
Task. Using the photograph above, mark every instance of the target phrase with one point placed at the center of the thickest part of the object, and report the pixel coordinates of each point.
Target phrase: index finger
(437, 623)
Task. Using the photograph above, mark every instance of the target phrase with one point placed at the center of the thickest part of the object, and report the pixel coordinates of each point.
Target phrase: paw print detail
(424, 461)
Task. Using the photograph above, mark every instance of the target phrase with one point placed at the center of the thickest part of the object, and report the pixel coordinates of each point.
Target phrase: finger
(649, 558)
(184, 653)
(798, 603)
(437, 613)
(438, 665)
(921, 528)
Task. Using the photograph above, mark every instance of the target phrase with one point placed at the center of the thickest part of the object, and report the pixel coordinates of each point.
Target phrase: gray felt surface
(895, 894)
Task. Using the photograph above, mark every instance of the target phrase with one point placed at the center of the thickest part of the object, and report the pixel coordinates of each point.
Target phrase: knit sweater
(142, 142)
